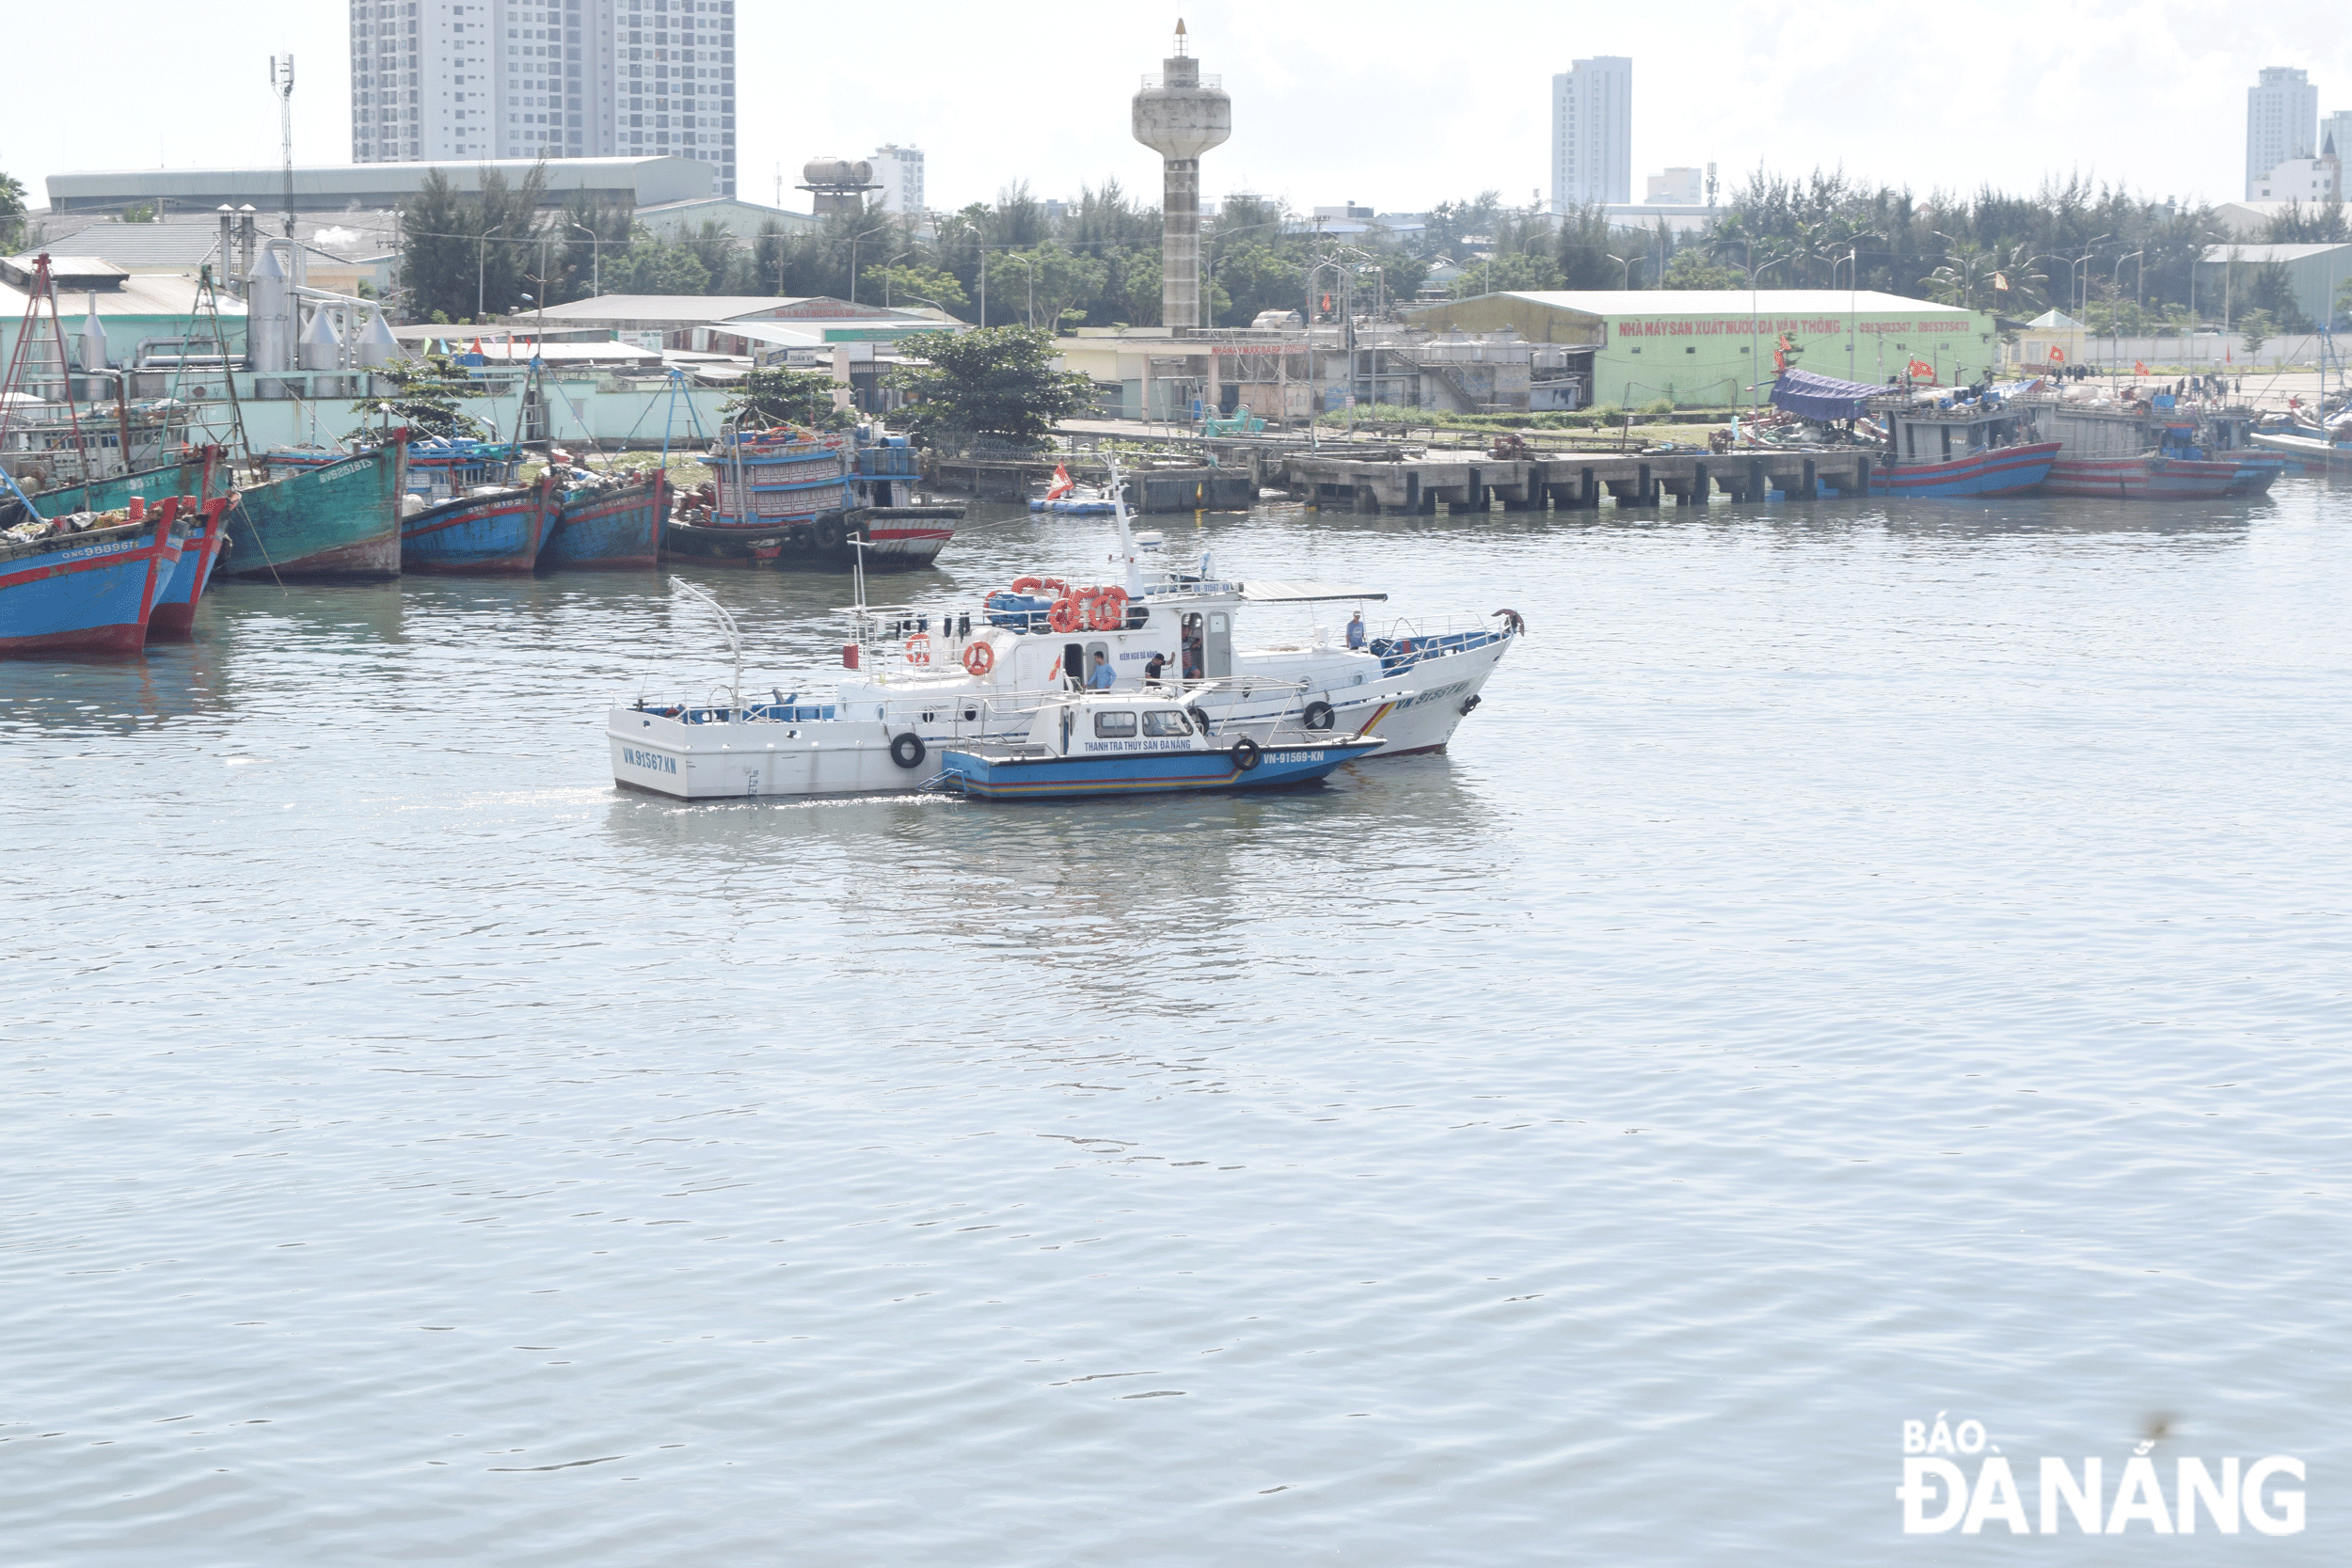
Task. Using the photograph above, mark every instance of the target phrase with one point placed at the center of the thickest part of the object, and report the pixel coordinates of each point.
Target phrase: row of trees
(2123, 261)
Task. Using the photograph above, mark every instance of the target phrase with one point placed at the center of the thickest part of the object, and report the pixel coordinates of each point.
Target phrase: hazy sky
(1393, 105)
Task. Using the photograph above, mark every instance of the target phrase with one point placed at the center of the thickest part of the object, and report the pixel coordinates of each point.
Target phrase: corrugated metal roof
(1693, 302)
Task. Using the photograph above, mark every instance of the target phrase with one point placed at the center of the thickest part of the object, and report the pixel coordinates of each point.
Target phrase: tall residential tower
(433, 80)
(2281, 122)
(1592, 132)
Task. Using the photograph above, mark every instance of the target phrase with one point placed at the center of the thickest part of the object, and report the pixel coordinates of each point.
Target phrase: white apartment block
(2281, 122)
(433, 80)
(900, 171)
(1592, 132)
(2335, 134)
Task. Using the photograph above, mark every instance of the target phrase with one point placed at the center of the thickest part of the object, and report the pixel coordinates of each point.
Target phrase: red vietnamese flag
(1061, 486)
(2138, 368)
(1920, 367)
(2058, 356)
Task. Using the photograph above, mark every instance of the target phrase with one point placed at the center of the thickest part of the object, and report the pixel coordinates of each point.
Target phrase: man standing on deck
(1355, 630)
(1104, 677)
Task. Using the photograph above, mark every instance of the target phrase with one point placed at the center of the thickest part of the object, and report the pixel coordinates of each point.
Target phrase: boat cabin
(1952, 425)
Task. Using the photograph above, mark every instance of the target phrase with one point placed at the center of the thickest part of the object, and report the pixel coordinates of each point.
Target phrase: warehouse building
(1716, 348)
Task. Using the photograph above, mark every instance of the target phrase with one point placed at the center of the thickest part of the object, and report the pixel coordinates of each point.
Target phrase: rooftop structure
(436, 79)
(1181, 114)
(333, 188)
(2315, 271)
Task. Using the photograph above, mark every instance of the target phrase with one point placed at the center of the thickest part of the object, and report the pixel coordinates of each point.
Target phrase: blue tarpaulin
(1820, 397)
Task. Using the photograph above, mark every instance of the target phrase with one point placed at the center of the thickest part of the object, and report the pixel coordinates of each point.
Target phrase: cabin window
(1162, 722)
(1114, 726)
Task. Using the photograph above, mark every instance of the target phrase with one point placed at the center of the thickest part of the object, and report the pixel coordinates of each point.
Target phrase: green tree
(654, 266)
(1583, 253)
(1512, 274)
(779, 396)
(587, 257)
(2254, 330)
(468, 255)
(425, 395)
(912, 284)
(1691, 269)
(997, 381)
(1039, 284)
(12, 211)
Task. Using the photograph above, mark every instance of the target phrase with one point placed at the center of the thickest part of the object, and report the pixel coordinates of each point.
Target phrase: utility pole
(282, 79)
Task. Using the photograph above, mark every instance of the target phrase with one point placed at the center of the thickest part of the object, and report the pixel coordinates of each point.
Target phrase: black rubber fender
(1245, 755)
(907, 749)
(1318, 716)
(828, 533)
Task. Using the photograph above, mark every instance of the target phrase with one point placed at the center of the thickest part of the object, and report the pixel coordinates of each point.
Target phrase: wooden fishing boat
(610, 529)
(90, 591)
(500, 533)
(174, 616)
(339, 520)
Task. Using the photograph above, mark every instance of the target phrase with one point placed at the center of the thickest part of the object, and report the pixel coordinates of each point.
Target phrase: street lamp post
(1755, 337)
(2140, 288)
(595, 259)
(853, 240)
(482, 270)
(1030, 315)
(887, 279)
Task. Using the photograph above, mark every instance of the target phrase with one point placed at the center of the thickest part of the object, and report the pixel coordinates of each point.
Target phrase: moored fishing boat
(1097, 744)
(174, 614)
(1941, 442)
(337, 520)
(498, 532)
(800, 499)
(609, 525)
(85, 583)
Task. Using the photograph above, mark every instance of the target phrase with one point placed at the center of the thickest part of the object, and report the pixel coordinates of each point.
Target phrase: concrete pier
(1575, 480)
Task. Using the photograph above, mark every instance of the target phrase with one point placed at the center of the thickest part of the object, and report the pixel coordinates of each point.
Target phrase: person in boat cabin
(1190, 644)
(1153, 666)
(1104, 677)
(1355, 630)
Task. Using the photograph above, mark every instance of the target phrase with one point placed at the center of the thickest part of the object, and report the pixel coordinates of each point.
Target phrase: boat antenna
(696, 593)
(1126, 535)
(282, 79)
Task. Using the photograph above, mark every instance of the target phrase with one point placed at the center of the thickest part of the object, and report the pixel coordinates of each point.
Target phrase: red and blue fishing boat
(610, 527)
(1942, 442)
(498, 532)
(76, 586)
(338, 520)
(174, 616)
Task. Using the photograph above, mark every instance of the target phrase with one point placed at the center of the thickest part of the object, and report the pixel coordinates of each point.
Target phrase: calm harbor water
(1856, 967)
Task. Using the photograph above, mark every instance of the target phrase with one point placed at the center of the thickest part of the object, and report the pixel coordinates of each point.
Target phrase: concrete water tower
(1181, 114)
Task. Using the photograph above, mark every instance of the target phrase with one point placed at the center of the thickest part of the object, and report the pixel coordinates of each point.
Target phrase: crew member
(1104, 677)
(1355, 630)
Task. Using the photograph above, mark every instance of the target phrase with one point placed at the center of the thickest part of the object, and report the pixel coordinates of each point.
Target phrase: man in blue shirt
(1104, 677)
(1355, 631)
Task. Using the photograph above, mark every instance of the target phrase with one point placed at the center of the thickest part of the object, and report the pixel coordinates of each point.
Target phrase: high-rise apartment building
(2335, 135)
(900, 171)
(1592, 132)
(2281, 122)
(439, 79)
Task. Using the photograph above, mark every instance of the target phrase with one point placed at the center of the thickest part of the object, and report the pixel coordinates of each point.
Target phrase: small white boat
(1093, 745)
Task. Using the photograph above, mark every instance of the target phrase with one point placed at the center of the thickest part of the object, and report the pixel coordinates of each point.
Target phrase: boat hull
(2139, 479)
(612, 530)
(87, 593)
(2255, 475)
(993, 775)
(339, 520)
(897, 539)
(174, 619)
(205, 475)
(1996, 471)
(2317, 456)
(480, 535)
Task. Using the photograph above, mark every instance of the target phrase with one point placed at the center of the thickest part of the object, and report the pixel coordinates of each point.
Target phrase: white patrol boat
(915, 679)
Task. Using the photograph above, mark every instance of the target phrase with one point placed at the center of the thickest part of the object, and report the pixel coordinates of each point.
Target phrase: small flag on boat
(2057, 355)
(2139, 367)
(1061, 486)
(2000, 281)
(1920, 367)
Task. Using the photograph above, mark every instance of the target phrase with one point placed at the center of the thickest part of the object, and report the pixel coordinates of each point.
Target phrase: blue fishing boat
(337, 520)
(84, 584)
(1131, 743)
(204, 471)
(502, 532)
(611, 526)
(174, 616)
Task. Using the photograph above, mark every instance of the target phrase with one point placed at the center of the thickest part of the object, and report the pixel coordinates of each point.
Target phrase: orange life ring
(1065, 616)
(979, 659)
(918, 648)
(1025, 585)
(1052, 583)
(1110, 610)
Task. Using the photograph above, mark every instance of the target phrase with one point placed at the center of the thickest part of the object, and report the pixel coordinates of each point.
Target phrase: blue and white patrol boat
(1104, 743)
(914, 679)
